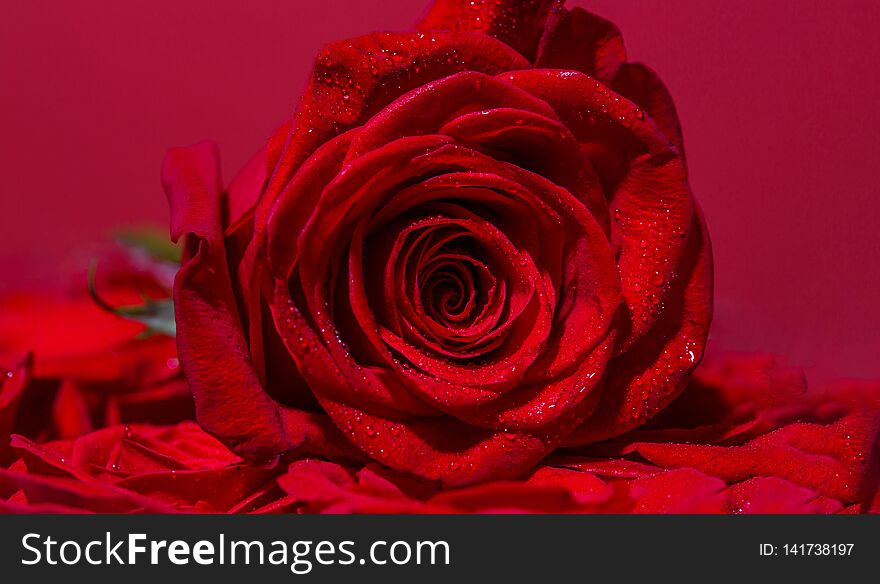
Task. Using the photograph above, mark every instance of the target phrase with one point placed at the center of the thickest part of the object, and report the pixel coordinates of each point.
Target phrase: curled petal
(354, 79)
(654, 371)
(645, 182)
(519, 23)
(230, 401)
(642, 86)
(581, 41)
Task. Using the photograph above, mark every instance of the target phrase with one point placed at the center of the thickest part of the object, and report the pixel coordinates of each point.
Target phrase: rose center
(452, 289)
(444, 287)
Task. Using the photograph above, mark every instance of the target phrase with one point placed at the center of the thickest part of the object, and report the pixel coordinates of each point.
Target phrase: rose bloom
(471, 244)
(467, 276)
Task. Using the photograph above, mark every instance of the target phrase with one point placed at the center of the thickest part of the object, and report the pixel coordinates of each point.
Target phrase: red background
(777, 99)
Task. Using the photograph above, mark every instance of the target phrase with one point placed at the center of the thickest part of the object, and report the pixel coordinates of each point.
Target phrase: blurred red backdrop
(777, 99)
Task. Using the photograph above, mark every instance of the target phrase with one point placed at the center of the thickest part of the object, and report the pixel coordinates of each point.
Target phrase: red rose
(470, 245)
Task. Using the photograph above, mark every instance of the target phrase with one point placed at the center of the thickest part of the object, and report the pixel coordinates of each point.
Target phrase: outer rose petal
(230, 401)
(245, 188)
(669, 302)
(578, 40)
(639, 84)
(645, 180)
(519, 23)
(581, 41)
(645, 379)
(354, 79)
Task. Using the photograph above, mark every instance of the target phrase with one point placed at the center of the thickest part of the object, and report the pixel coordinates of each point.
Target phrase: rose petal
(654, 371)
(646, 184)
(355, 78)
(639, 84)
(209, 334)
(581, 41)
(519, 23)
(828, 459)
